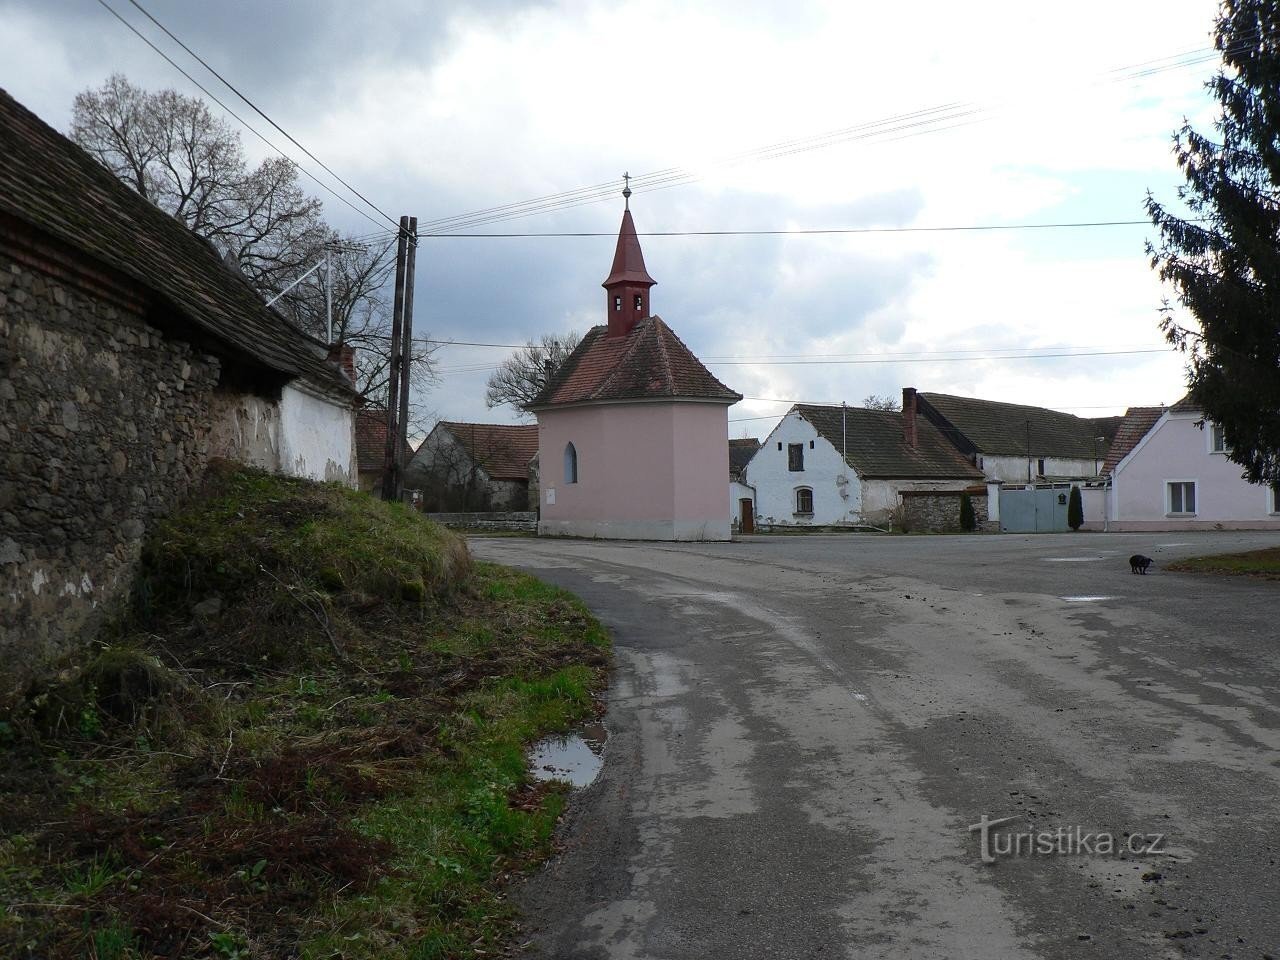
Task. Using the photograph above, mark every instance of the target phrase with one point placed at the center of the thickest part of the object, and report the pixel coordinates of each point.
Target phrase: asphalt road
(802, 731)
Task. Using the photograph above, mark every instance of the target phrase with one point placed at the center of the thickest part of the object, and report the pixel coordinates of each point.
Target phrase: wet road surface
(802, 731)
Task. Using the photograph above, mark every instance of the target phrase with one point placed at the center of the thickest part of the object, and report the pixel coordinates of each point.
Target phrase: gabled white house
(828, 466)
(1168, 470)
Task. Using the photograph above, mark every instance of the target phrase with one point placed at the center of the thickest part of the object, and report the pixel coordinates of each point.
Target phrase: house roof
(877, 447)
(51, 184)
(740, 454)
(504, 450)
(649, 363)
(1136, 424)
(371, 439)
(1002, 428)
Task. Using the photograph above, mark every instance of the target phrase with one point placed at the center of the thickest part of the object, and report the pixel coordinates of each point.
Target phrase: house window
(810, 444)
(617, 304)
(1182, 496)
(1040, 466)
(779, 445)
(639, 302)
(804, 501)
(570, 463)
(795, 457)
(1218, 439)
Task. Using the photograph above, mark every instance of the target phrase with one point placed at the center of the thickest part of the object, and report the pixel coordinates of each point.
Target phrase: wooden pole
(406, 352)
(390, 454)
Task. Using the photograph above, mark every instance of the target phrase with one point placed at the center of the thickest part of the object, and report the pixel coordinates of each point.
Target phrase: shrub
(1075, 510)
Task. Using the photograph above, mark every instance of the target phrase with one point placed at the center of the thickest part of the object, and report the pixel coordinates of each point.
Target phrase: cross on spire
(626, 190)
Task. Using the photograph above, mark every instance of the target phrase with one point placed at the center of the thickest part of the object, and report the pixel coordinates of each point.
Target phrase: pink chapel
(632, 427)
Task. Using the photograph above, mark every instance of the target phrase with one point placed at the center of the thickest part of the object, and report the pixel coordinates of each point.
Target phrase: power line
(930, 119)
(969, 359)
(243, 122)
(259, 112)
(800, 231)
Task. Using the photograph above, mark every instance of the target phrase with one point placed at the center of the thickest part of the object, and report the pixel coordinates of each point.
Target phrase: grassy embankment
(1253, 563)
(305, 738)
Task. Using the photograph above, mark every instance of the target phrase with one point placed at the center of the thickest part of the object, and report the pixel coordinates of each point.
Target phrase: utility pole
(406, 353)
(391, 453)
(328, 292)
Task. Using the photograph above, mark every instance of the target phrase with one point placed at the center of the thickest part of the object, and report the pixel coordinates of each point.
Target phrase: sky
(895, 123)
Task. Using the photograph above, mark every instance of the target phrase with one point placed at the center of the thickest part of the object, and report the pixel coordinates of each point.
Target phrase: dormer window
(617, 304)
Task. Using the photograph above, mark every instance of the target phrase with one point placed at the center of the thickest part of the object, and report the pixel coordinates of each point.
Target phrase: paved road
(803, 729)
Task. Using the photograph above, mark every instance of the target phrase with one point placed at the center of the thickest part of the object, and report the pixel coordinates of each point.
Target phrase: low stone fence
(938, 511)
(509, 520)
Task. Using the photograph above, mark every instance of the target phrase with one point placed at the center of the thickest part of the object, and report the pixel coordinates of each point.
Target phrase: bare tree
(522, 375)
(875, 401)
(176, 153)
(190, 163)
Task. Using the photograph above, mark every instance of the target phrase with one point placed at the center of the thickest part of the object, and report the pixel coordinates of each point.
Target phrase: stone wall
(508, 520)
(938, 511)
(103, 427)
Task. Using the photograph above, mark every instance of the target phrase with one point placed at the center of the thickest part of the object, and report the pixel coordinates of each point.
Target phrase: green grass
(324, 762)
(1254, 563)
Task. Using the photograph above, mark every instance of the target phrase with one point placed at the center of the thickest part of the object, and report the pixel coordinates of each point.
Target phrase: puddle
(1087, 598)
(576, 759)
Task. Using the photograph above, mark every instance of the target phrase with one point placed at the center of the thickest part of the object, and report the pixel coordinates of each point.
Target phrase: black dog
(1138, 563)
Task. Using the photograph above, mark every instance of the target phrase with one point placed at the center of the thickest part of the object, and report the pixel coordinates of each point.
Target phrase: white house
(830, 466)
(1168, 470)
(1017, 443)
(742, 499)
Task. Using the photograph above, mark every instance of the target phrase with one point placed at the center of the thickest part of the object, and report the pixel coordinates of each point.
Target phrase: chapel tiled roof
(49, 183)
(876, 445)
(996, 428)
(504, 450)
(1137, 423)
(650, 362)
(740, 454)
(371, 439)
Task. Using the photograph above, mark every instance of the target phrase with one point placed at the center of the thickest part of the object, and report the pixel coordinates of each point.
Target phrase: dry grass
(1254, 563)
(326, 761)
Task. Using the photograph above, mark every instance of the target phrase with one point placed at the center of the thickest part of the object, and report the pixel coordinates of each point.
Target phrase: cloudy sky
(937, 117)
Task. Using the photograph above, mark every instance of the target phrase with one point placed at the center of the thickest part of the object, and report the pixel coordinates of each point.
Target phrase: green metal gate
(1039, 508)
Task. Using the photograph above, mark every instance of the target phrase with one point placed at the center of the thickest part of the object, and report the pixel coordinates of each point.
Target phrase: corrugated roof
(1007, 428)
(650, 362)
(740, 454)
(1135, 425)
(51, 184)
(877, 447)
(504, 450)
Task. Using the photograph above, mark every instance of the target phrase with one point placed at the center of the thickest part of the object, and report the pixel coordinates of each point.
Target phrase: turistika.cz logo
(1064, 841)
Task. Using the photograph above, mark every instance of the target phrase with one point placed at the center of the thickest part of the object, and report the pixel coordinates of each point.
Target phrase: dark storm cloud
(284, 54)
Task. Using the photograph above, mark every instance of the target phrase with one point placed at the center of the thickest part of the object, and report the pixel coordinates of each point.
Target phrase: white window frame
(1215, 431)
(795, 502)
(1168, 497)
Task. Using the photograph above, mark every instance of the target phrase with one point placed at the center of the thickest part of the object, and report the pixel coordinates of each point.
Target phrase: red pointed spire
(628, 282)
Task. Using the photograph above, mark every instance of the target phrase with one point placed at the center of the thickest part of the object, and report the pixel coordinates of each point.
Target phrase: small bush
(1075, 510)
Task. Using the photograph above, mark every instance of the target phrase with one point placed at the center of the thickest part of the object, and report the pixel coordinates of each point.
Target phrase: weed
(113, 942)
(90, 879)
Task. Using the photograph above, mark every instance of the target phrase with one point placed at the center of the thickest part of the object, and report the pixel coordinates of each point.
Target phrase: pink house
(632, 428)
(1168, 470)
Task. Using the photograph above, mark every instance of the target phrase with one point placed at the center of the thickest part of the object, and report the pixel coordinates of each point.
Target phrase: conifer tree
(1223, 257)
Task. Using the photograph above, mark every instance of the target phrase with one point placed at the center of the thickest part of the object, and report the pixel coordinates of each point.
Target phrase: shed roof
(503, 449)
(877, 447)
(649, 363)
(1007, 428)
(56, 187)
(740, 454)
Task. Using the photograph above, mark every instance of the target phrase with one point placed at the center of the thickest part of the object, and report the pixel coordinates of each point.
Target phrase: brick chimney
(345, 357)
(909, 416)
